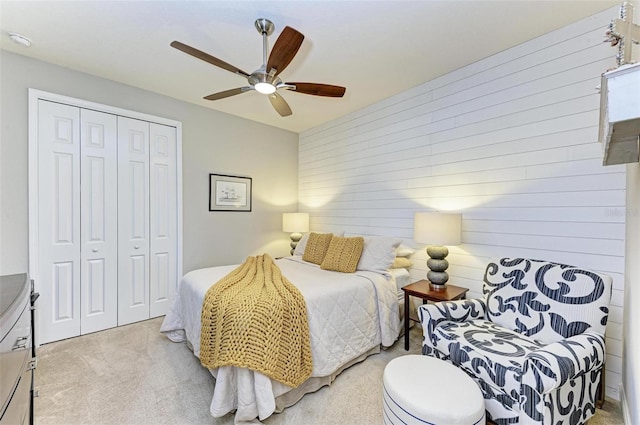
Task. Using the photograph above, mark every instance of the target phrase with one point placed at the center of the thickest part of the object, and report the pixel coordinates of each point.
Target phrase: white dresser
(17, 356)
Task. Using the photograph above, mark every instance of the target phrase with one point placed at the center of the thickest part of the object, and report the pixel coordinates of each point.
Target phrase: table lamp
(296, 224)
(437, 230)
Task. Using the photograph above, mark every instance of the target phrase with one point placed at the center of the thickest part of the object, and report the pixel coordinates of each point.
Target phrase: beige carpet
(134, 375)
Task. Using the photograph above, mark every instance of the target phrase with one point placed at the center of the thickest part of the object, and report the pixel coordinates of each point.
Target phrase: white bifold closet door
(77, 234)
(133, 219)
(107, 220)
(163, 218)
(147, 219)
(98, 221)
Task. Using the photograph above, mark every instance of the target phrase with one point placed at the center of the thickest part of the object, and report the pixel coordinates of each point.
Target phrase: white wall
(631, 335)
(510, 141)
(213, 142)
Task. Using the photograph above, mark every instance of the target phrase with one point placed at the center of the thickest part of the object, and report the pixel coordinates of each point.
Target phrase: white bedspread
(349, 313)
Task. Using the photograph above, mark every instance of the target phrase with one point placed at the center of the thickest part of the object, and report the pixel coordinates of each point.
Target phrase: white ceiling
(374, 48)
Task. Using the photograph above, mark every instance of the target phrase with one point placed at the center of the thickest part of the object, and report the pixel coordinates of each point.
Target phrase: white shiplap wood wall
(509, 141)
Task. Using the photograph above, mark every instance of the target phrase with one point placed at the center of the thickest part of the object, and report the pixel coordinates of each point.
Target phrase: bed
(351, 316)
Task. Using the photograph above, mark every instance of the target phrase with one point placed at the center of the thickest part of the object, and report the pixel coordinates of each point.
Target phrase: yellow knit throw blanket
(255, 318)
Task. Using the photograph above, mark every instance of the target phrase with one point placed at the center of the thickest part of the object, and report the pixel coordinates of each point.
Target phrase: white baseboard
(624, 406)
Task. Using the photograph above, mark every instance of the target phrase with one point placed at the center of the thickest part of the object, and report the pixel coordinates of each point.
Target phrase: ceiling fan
(265, 79)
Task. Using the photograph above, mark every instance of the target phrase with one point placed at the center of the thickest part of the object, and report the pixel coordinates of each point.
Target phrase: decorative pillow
(302, 244)
(401, 263)
(378, 253)
(343, 254)
(316, 247)
(404, 251)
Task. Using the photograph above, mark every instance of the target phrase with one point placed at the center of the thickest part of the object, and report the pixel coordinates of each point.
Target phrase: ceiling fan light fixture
(265, 88)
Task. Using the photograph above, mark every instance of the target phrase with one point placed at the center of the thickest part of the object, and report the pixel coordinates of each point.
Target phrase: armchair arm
(555, 364)
(431, 315)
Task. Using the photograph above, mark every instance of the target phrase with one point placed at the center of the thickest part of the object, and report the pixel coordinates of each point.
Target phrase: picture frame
(229, 193)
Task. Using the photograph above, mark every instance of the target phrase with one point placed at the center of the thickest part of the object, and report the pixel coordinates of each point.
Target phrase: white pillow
(404, 251)
(378, 253)
(302, 244)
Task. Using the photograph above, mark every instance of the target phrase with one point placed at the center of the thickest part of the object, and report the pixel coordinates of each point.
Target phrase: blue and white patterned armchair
(534, 343)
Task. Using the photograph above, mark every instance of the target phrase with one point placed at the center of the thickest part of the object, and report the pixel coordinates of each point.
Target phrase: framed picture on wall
(229, 193)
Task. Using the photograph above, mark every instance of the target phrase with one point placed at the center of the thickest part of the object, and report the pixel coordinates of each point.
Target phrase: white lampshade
(437, 228)
(295, 222)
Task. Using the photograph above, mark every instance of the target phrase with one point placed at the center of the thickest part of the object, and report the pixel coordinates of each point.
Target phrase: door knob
(95, 250)
(136, 247)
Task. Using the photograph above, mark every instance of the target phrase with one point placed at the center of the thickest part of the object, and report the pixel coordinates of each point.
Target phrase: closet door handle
(95, 250)
(136, 247)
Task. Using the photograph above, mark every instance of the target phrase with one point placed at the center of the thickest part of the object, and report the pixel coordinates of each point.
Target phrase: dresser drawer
(17, 412)
(15, 351)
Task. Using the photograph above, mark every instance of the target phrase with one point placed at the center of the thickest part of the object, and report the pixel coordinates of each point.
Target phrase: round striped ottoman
(425, 390)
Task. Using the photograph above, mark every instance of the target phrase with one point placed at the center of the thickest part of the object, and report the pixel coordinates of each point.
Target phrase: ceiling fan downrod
(261, 79)
(264, 27)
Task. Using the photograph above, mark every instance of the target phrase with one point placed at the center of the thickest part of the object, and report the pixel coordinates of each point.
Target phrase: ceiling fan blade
(317, 89)
(227, 93)
(280, 105)
(207, 58)
(284, 49)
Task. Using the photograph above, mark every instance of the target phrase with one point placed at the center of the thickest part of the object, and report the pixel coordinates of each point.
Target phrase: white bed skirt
(314, 384)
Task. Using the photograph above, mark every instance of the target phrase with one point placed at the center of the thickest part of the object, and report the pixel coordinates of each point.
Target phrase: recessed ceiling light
(20, 39)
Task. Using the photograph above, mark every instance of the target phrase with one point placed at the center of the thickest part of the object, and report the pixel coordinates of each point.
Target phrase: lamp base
(295, 238)
(437, 265)
(436, 287)
(438, 280)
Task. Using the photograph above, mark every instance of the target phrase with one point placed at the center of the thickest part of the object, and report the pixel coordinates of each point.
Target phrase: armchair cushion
(487, 351)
